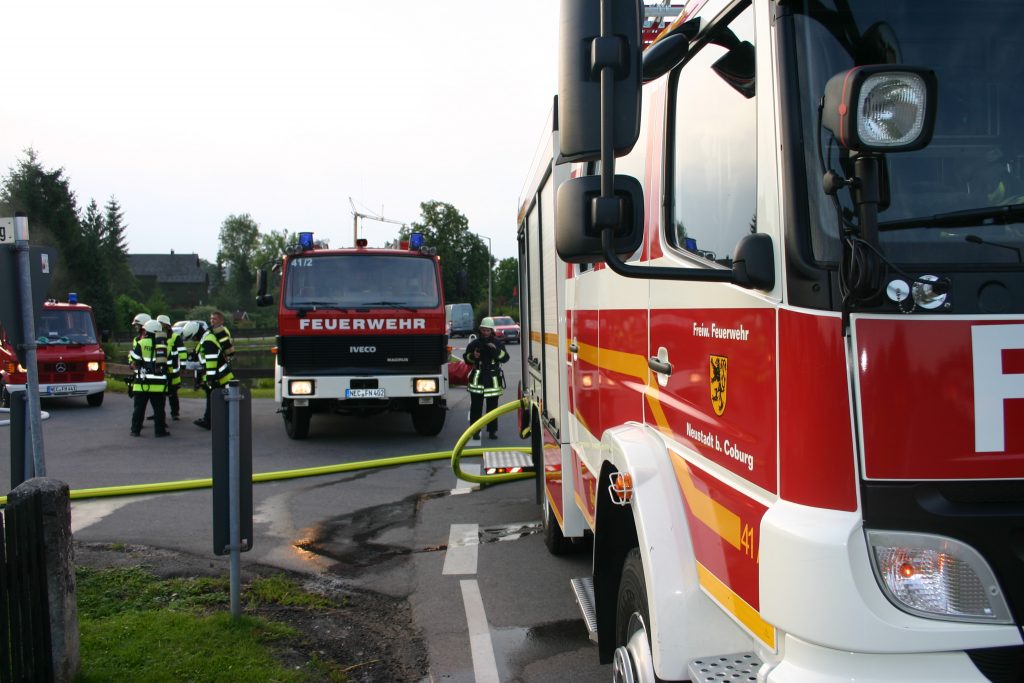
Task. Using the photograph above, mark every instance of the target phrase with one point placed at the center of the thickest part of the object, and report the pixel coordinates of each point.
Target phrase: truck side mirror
(262, 298)
(577, 237)
(582, 55)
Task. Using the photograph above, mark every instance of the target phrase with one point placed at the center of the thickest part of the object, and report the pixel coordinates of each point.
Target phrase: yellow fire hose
(456, 455)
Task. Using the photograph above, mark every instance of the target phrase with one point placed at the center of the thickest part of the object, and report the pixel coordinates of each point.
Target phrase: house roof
(178, 268)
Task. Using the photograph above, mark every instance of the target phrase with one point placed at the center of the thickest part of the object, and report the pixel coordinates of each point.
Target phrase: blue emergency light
(415, 241)
(306, 240)
(72, 297)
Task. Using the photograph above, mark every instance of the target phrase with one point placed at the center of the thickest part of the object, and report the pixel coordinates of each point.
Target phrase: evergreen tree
(92, 277)
(114, 246)
(45, 196)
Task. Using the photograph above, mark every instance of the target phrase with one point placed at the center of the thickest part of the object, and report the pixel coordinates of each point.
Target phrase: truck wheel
(633, 658)
(556, 543)
(428, 420)
(296, 421)
(94, 400)
(5, 397)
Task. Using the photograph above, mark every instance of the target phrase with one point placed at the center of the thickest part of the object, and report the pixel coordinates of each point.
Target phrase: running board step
(584, 589)
(504, 462)
(741, 666)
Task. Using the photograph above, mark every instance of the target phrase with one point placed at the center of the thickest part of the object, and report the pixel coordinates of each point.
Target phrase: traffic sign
(6, 231)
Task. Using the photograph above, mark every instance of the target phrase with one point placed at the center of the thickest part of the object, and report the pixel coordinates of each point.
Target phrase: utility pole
(489, 268)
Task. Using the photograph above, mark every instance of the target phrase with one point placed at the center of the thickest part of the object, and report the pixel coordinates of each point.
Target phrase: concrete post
(55, 503)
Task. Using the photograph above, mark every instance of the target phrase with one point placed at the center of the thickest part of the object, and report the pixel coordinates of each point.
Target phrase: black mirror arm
(658, 273)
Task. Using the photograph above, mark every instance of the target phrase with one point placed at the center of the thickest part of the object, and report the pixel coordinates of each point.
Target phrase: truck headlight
(300, 387)
(425, 385)
(882, 108)
(936, 577)
(94, 366)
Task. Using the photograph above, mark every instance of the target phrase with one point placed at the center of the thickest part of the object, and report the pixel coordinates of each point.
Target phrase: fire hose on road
(455, 455)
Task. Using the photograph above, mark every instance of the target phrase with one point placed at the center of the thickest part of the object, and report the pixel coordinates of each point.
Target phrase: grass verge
(137, 627)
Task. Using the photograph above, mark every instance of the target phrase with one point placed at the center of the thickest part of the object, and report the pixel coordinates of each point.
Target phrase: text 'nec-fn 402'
(360, 331)
(773, 337)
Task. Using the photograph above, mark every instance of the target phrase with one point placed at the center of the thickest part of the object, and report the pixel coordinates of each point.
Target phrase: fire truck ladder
(356, 215)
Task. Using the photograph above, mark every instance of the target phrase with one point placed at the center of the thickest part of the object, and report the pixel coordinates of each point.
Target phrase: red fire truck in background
(776, 362)
(360, 331)
(69, 357)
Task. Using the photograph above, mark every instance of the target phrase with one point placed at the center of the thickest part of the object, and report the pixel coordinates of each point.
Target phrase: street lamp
(488, 272)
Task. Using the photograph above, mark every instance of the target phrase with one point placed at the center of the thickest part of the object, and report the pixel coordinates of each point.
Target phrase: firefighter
(223, 334)
(149, 362)
(218, 368)
(485, 354)
(177, 355)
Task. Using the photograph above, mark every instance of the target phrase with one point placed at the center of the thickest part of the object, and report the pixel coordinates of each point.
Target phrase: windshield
(65, 327)
(361, 281)
(504, 320)
(976, 157)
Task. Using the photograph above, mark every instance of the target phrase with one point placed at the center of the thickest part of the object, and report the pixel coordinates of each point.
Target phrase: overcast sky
(189, 112)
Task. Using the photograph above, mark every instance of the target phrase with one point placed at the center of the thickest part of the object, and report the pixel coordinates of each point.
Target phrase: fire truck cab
(773, 322)
(360, 331)
(70, 359)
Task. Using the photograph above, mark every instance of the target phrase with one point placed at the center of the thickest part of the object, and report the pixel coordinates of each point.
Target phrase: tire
(428, 420)
(94, 400)
(296, 421)
(632, 619)
(554, 541)
(5, 397)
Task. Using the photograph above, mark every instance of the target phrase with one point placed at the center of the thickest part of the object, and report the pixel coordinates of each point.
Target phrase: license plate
(364, 393)
(62, 389)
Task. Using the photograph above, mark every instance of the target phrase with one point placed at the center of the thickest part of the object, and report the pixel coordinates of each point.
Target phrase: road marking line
(86, 513)
(463, 541)
(467, 486)
(481, 648)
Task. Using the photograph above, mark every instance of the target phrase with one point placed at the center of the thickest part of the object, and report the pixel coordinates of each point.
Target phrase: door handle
(573, 348)
(659, 366)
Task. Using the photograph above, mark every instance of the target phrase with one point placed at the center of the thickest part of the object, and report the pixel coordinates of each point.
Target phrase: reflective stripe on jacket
(218, 370)
(176, 355)
(149, 356)
(486, 377)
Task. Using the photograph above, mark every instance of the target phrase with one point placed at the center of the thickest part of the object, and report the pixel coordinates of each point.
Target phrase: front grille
(355, 355)
(73, 371)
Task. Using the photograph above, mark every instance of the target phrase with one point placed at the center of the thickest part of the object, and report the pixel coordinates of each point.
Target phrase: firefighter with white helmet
(485, 354)
(176, 355)
(149, 385)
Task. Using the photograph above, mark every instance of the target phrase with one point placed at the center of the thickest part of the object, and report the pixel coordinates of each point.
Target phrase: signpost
(24, 279)
(231, 417)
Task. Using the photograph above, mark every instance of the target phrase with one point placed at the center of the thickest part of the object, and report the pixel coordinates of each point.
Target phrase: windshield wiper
(986, 215)
(390, 304)
(320, 306)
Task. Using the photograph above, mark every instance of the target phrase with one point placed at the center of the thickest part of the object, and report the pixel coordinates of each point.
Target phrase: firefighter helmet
(153, 327)
(192, 329)
(164, 320)
(487, 322)
(141, 319)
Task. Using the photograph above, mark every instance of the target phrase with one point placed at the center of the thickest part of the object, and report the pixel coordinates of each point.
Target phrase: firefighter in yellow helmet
(485, 354)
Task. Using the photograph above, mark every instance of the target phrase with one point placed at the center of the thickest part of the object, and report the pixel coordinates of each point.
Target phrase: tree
(93, 276)
(114, 246)
(506, 282)
(239, 242)
(464, 260)
(45, 196)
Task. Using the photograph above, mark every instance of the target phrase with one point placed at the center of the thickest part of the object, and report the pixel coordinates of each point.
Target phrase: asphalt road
(489, 602)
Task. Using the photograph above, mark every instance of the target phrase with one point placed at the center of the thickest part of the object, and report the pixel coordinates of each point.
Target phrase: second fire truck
(360, 331)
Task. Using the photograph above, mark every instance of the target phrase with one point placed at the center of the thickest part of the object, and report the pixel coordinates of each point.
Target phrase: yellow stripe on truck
(736, 606)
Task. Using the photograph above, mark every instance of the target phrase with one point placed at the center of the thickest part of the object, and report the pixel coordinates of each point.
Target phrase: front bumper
(59, 390)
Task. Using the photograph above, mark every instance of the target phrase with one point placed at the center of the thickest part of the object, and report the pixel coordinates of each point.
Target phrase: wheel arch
(685, 623)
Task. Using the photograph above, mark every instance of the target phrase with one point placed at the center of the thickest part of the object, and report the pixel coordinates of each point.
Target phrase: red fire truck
(68, 355)
(360, 331)
(775, 362)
